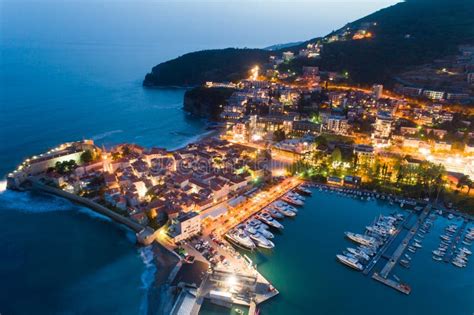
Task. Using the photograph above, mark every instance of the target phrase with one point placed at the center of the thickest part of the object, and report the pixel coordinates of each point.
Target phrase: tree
(336, 155)
(278, 135)
(87, 156)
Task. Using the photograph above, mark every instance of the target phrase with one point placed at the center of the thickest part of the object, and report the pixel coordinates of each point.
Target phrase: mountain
(282, 46)
(196, 68)
(406, 34)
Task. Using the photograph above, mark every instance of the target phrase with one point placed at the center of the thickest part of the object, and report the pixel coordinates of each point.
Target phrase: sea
(72, 70)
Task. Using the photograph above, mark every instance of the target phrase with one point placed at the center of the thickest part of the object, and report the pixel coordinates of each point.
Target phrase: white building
(377, 90)
(434, 95)
(186, 225)
(337, 124)
(288, 56)
(383, 127)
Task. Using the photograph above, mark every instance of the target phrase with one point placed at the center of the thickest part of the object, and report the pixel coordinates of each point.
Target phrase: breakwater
(145, 235)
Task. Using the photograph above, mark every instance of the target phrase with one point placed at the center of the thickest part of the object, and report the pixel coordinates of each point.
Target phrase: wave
(94, 214)
(148, 275)
(27, 202)
(3, 186)
(106, 134)
(192, 140)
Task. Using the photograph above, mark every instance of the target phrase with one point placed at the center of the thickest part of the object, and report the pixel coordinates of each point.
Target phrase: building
(288, 56)
(434, 95)
(383, 126)
(377, 91)
(337, 124)
(186, 225)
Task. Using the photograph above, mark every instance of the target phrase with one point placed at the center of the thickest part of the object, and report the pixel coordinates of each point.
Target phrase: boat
(445, 237)
(417, 245)
(450, 216)
(255, 223)
(437, 252)
(361, 239)
(240, 238)
(258, 238)
(282, 204)
(264, 232)
(459, 264)
(466, 250)
(411, 250)
(350, 261)
(303, 189)
(267, 219)
(275, 214)
(285, 211)
(405, 263)
(358, 253)
(292, 201)
(437, 258)
(407, 257)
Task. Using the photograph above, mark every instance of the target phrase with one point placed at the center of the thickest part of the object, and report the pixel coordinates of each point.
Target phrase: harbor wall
(145, 235)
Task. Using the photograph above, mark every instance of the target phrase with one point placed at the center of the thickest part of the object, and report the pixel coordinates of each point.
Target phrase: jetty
(392, 262)
(386, 245)
(454, 243)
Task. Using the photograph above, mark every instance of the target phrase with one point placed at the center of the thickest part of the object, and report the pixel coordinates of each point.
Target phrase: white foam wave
(26, 202)
(105, 134)
(192, 139)
(94, 214)
(3, 185)
(148, 275)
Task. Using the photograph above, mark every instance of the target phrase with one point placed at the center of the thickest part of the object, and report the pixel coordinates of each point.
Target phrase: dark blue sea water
(311, 281)
(73, 69)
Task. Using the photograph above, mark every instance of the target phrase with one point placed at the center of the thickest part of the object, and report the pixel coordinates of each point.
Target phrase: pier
(403, 245)
(386, 245)
(392, 262)
(392, 283)
(454, 243)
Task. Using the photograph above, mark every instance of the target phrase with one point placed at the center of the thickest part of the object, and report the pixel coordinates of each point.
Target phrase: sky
(200, 24)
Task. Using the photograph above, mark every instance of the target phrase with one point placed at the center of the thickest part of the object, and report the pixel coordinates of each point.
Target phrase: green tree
(87, 156)
(278, 135)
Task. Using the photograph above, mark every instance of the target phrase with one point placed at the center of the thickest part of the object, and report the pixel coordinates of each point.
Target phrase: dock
(392, 283)
(454, 243)
(403, 245)
(386, 245)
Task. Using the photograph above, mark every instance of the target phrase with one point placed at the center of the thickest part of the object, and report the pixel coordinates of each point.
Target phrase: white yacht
(258, 238)
(350, 261)
(292, 200)
(253, 222)
(267, 219)
(282, 204)
(274, 213)
(303, 189)
(361, 239)
(358, 253)
(240, 238)
(285, 210)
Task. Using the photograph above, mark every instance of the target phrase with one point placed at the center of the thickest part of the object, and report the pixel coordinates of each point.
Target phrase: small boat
(405, 263)
(407, 257)
(417, 245)
(437, 258)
